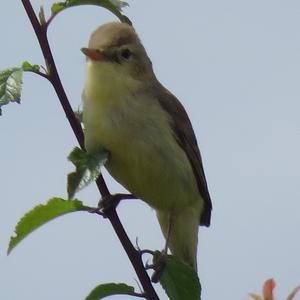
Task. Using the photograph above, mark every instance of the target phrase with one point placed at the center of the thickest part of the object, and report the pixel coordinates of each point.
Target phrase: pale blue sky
(235, 66)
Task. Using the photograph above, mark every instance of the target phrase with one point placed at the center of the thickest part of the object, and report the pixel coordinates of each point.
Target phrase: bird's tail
(183, 237)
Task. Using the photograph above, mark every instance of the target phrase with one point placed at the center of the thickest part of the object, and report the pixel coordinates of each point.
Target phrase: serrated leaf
(10, 86)
(178, 279)
(42, 214)
(87, 169)
(26, 66)
(114, 6)
(109, 289)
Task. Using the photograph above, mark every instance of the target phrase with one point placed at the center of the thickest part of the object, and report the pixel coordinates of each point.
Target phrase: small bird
(152, 145)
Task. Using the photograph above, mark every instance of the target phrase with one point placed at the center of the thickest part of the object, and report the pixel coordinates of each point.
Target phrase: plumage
(153, 149)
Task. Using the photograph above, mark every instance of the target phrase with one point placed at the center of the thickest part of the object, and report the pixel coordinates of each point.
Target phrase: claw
(110, 202)
(159, 267)
(107, 204)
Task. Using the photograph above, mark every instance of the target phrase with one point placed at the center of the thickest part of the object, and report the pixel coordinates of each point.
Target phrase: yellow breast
(144, 156)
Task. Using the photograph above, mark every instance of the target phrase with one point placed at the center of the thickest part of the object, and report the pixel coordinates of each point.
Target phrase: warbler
(152, 145)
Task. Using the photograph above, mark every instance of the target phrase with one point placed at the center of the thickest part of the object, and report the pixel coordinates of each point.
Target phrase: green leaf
(57, 7)
(114, 6)
(178, 279)
(109, 289)
(26, 66)
(10, 86)
(87, 169)
(42, 214)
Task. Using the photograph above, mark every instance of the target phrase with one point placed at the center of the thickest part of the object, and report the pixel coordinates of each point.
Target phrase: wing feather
(185, 136)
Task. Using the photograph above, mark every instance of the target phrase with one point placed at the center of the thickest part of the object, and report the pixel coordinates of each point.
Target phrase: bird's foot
(109, 203)
(158, 265)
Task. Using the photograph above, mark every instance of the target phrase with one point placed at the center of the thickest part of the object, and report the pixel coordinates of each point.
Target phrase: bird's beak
(94, 54)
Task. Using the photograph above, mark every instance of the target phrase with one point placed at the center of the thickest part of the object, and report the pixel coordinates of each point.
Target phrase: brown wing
(186, 138)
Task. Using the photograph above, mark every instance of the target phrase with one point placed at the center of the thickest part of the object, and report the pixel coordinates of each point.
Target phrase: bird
(153, 151)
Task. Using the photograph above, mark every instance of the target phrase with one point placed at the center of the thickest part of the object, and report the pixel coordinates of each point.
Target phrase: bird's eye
(126, 53)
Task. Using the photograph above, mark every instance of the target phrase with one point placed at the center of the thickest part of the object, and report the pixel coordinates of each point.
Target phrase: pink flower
(268, 288)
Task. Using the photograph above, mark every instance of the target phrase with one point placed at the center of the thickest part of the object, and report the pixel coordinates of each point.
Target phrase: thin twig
(134, 256)
(146, 251)
(136, 295)
(39, 73)
(121, 196)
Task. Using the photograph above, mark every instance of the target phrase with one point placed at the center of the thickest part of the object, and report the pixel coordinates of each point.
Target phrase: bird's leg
(161, 262)
(169, 231)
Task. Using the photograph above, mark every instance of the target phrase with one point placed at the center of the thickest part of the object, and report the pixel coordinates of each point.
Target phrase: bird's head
(114, 48)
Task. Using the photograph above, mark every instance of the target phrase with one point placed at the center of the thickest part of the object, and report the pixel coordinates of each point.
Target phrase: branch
(41, 33)
(53, 77)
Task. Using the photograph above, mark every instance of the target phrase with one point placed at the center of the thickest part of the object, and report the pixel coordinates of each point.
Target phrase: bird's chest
(116, 126)
(144, 156)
